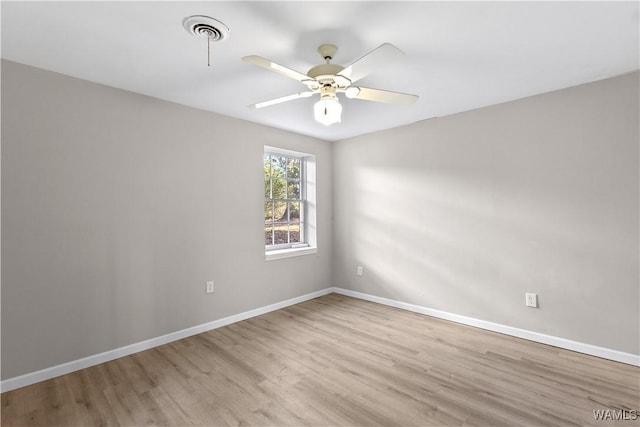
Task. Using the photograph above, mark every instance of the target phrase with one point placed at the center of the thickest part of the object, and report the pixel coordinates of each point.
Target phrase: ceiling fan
(330, 79)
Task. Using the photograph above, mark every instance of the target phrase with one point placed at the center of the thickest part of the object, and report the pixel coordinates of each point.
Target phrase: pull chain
(201, 26)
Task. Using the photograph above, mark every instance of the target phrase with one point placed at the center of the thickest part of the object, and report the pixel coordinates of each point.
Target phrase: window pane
(278, 189)
(293, 168)
(280, 211)
(278, 166)
(293, 190)
(268, 212)
(294, 211)
(267, 188)
(267, 165)
(267, 176)
(281, 234)
(294, 232)
(268, 236)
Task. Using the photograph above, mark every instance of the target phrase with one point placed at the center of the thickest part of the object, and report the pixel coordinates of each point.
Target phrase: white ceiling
(459, 55)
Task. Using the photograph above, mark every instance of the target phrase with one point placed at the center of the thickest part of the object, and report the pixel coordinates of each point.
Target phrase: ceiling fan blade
(282, 99)
(370, 62)
(379, 95)
(280, 69)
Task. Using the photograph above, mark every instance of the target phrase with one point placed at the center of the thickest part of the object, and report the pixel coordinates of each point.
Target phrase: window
(289, 203)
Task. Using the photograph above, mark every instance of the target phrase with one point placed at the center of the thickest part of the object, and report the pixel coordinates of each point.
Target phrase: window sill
(288, 253)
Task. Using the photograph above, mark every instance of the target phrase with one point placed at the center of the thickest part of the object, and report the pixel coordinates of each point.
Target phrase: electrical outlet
(531, 300)
(210, 287)
(360, 271)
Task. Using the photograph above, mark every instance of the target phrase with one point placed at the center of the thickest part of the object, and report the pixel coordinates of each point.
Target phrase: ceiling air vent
(208, 28)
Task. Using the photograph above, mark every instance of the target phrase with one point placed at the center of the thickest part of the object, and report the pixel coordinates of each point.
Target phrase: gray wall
(117, 208)
(467, 213)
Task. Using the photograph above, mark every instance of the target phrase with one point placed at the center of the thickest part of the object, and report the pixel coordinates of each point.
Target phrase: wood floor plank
(336, 361)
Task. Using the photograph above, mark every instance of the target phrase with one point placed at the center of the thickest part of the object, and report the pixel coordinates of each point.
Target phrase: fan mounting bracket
(327, 50)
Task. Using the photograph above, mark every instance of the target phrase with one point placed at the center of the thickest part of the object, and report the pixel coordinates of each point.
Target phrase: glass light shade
(328, 111)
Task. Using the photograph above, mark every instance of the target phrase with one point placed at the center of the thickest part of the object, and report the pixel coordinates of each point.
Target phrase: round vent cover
(206, 27)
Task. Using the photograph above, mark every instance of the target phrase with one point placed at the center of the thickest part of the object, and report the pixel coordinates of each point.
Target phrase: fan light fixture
(328, 111)
(329, 79)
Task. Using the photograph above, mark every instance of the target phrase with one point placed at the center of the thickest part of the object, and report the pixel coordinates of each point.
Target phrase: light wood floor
(336, 361)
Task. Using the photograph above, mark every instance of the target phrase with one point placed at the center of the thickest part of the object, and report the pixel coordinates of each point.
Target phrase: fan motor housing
(325, 70)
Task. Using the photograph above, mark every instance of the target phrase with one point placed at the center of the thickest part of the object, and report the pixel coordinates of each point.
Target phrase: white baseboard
(593, 350)
(76, 365)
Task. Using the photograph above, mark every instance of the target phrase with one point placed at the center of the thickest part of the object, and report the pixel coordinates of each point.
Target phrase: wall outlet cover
(531, 300)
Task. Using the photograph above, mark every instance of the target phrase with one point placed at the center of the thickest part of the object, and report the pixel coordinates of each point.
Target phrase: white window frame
(308, 215)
